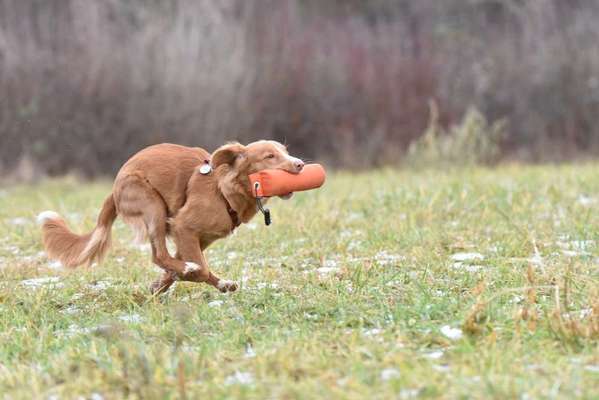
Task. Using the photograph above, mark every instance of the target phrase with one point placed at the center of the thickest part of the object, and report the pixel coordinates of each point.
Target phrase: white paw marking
(191, 267)
(223, 283)
(45, 216)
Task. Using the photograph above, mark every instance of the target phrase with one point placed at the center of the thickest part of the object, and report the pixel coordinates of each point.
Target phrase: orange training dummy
(276, 182)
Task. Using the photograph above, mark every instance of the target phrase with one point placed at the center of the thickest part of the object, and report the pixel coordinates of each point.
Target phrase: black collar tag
(265, 211)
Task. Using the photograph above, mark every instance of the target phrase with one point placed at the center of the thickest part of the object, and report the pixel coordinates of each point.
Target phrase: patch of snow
(576, 244)
(100, 285)
(441, 368)
(120, 260)
(495, 249)
(266, 285)
(143, 247)
(451, 333)
(231, 255)
(55, 265)
(434, 355)
(469, 268)
(592, 368)
(327, 270)
(74, 330)
(35, 283)
(239, 378)
(346, 233)
(249, 352)
(350, 233)
(467, 257)
(537, 259)
(352, 216)
(582, 244)
(389, 373)
(14, 250)
(19, 221)
(386, 258)
(372, 332)
(533, 367)
(354, 244)
(77, 296)
(311, 316)
(342, 381)
(131, 318)
(585, 201)
(572, 253)
(215, 303)
(408, 393)
(71, 310)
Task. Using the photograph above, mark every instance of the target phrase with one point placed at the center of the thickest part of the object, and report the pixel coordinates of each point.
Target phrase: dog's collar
(206, 169)
(232, 213)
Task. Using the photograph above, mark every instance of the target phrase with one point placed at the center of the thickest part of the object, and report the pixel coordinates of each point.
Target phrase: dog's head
(242, 160)
(255, 157)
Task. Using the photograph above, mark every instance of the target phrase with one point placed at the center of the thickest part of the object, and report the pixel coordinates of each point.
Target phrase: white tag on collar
(205, 169)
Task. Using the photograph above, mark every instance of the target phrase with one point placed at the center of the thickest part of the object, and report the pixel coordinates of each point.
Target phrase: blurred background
(354, 83)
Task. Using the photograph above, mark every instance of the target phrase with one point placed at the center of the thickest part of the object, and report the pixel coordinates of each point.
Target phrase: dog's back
(167, 168)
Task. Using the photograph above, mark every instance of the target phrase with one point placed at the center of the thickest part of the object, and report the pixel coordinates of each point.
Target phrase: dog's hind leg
(138, 201)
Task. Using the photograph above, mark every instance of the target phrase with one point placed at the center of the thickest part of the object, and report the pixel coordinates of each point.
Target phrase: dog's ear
(227, 154)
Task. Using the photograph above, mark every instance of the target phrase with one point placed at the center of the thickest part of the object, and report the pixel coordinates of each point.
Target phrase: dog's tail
(72, 249)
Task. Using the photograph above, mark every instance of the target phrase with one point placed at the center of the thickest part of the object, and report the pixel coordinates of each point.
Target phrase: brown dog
(186, 193)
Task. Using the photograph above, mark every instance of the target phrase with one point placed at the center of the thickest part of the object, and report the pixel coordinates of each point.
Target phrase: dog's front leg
(189, 250)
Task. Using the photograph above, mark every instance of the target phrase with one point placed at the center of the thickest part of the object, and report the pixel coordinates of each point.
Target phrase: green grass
(367, 325)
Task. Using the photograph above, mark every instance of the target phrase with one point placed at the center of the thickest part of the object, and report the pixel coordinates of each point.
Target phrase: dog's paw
(163, 283)
(157, 287)
(227, 286)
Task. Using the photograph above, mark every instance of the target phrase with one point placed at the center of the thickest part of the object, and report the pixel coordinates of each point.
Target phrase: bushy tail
(71, 249)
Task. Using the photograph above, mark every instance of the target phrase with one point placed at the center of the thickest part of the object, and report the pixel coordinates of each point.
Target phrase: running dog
(186, 193)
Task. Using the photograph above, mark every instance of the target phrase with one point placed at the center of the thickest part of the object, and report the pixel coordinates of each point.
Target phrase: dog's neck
(235, 187)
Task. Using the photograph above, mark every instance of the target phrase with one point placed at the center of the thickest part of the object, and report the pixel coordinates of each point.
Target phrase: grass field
(466, 284)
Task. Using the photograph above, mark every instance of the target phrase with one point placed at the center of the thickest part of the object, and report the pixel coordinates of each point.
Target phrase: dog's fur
(159, 192)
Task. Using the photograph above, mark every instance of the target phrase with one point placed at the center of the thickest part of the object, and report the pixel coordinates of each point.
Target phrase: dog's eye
(270, 156)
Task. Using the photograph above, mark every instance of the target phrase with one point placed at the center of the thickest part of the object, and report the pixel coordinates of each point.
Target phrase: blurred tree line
(84, 84)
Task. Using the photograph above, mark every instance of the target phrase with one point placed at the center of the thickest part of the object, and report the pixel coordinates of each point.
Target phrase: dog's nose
(299, 165)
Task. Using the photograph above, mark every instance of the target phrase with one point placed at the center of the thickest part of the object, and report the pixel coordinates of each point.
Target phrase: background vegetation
(84, 84)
